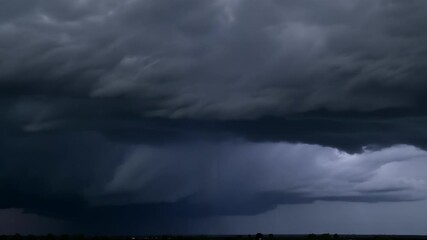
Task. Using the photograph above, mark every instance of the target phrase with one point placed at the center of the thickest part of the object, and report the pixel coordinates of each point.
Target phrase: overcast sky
(201, 116)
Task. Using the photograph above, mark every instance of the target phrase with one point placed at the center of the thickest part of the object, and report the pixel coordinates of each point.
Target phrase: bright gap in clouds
(333, 217)
(270, 174)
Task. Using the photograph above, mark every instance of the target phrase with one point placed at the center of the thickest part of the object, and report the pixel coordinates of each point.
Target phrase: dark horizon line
(137, 236)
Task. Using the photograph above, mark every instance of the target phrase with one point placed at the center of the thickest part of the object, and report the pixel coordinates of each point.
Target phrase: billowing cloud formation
(217, 59)
(235, 172)
(76, 178)
(112, 110)
(339, 74)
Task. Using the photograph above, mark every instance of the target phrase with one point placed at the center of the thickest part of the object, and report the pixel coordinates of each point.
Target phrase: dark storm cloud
(117, 120)
(85, 178)
(96, 95)
(107, 66)
(350, 131)
(218, 59)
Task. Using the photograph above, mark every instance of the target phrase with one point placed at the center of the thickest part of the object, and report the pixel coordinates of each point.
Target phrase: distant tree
(17, 237)
(259, 236)
(336, 236)
(383, 237)
(79, 237)
(41, 237)
(326, 236)
(311, 236)
(50, 237)
(270, 235)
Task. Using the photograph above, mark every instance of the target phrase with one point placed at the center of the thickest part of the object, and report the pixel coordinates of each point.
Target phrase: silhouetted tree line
(325, 236)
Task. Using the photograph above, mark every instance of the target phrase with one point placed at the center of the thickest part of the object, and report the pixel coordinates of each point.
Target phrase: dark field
(214, 237)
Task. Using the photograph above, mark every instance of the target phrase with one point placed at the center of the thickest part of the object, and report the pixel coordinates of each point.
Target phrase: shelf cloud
(115, 112)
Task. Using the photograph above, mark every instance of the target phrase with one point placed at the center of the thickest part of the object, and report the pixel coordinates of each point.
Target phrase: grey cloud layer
(108, 67)
(221, 59)
(113, 110)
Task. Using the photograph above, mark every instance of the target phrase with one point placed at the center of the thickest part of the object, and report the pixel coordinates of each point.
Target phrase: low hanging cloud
(200, 178)
(233, 171)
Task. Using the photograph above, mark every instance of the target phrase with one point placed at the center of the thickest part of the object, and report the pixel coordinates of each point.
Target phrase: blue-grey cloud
(69, 178)
(217, 60)
(115, 110)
